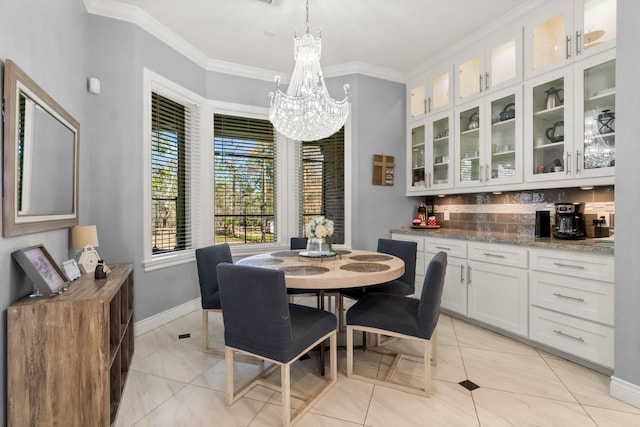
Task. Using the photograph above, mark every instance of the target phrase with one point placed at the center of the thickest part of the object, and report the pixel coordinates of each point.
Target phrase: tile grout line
(466, 373)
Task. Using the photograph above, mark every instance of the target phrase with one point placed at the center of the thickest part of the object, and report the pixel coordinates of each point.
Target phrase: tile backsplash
(515, 211)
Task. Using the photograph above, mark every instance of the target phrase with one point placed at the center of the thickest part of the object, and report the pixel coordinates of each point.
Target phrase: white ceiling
(384, 37)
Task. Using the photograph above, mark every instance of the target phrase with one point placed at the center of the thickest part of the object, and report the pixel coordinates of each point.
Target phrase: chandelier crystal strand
(306, 112)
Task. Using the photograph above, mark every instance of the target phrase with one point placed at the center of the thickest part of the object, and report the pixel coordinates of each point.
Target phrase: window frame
(202, 184)
(153, 82)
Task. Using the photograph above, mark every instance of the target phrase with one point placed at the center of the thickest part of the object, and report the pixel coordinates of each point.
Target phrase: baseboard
(152, 322)
(625, 391)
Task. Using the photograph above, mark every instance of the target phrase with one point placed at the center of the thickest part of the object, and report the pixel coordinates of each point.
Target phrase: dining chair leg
(349, 350)
(427, 368)
(205, 330)
(434, 347)
(228, 357)
(285, 392)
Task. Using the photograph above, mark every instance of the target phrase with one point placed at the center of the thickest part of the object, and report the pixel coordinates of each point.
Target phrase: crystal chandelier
(307, 112)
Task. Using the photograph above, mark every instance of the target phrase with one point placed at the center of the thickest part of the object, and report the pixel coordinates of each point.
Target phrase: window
(322, 184)
(245, 176)
(172, 207)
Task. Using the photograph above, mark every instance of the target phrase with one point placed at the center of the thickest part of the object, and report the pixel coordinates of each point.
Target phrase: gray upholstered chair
(405, 318)
(207, 259)
(404, 285)
(259, 321)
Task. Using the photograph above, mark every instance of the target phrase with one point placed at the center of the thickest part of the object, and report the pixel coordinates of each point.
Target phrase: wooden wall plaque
(383, 169)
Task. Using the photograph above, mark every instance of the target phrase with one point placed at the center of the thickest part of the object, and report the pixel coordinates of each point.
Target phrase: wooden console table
(68, 356)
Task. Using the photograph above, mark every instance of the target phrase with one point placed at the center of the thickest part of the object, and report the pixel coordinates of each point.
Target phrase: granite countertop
(595, 246)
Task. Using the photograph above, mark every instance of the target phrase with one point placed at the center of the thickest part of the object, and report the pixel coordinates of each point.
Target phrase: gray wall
(627, 291)
(48, 40)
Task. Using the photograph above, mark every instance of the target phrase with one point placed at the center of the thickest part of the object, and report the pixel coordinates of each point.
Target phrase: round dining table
(344, 269)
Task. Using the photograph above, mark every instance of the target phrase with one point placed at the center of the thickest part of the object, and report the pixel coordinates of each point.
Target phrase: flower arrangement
(319, 228)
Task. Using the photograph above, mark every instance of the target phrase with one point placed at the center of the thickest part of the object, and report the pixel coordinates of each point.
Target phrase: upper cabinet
(431, 92)
(570, 121)
(489, 140)
(491, 65)
(567, 30)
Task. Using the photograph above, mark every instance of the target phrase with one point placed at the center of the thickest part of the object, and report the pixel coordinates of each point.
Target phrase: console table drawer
(587, 340)
(587, 299)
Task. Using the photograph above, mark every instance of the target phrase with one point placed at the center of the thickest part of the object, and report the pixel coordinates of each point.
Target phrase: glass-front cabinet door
(504, 137)
(568, 30)
(550, 146)
(417, 138)
(595, 115)
(492, 64)
(595, 26)
(468, 143)
(431, 92)
(440, 152)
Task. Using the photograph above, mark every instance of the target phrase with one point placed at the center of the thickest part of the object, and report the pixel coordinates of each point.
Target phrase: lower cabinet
(560, 299)
(498, 286)
(571, 304)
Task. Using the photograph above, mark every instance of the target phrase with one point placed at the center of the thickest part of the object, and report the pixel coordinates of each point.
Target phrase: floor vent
(469, 385)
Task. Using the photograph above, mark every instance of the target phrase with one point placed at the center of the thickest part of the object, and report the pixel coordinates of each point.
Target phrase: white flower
(319, 227)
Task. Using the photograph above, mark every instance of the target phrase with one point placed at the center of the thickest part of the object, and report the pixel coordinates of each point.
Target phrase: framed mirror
(41, 141)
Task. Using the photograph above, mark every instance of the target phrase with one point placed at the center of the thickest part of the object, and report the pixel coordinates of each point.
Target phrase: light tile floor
(172, 383)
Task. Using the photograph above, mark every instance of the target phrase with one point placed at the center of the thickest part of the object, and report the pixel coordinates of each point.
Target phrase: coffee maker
(569, 221)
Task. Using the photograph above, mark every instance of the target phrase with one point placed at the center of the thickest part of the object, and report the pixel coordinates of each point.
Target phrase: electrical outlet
(446, 215)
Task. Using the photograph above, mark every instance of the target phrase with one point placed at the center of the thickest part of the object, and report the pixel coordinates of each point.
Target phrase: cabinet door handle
(443, 248)
(561, 265)
(426, 105)
(480, 83)
(486, 172)
(468, 274)
(567, 163)
(480, 174)
(568, 336)
(578, 168)
(429, 179)
(493, 255)
(568, 47)
(428, 101)
(569, 297)
(461, 273)
(486, 80)
(578, 42)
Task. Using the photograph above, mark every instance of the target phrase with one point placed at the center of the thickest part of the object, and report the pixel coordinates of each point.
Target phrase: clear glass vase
(317, 246)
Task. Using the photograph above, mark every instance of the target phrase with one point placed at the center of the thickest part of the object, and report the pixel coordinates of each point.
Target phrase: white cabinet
(498, 286)
(488, 140)
(566, 30)
(571, 297)
(439, 151)
(431, 92)
(570, 122)
(417, 137)
(494, 63)
(454, 294)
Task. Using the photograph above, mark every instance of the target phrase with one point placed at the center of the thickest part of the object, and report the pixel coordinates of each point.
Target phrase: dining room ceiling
(393, 36)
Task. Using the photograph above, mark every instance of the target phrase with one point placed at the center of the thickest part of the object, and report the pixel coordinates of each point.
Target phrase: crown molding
(137, 16)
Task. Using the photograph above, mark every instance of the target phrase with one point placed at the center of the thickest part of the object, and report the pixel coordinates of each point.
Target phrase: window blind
(322, 182)
(174, 139)
(245, 170)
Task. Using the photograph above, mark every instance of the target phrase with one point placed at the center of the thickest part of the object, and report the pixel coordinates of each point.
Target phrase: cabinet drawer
(409, 238)
(595, 267)
(587, 299)
(499, 254)
(588, 340)
(456, 248)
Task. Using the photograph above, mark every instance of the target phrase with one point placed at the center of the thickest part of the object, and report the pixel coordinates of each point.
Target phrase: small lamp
(85, 237)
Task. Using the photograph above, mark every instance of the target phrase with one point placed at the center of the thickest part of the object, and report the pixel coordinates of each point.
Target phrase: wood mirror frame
(41, 143)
